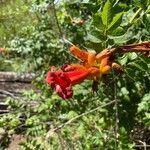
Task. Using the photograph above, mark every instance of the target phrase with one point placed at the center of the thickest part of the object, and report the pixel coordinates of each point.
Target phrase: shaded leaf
(139, 65)
(97, 21)
(119, 39)
(116, 21)
(96, 36)
(93, 39)
(118, 31)
(141, 3)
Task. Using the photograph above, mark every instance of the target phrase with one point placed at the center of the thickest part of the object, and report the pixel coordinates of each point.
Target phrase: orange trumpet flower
(2, 50)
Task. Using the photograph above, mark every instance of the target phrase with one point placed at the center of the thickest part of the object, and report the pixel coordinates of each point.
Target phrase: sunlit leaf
(107, 13)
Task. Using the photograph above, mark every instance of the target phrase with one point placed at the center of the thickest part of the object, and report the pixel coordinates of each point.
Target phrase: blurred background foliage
(37, 34)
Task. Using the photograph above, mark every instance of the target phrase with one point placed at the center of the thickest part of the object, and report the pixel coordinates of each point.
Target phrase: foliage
(13, 16)
(43, 117)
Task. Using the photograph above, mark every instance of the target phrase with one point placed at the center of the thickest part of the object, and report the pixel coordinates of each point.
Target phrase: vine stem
(57, 22)
(116, 113)
(51, 131)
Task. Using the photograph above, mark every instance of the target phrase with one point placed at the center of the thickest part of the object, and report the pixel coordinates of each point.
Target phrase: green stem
(56, 19)
(135, 15)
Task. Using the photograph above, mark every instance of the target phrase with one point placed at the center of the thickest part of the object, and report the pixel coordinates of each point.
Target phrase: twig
(68, 42)
(116, 113)
(51, 131)
(4, 111)
(9, 94)
(143, 143)
(24, 100)
(61, 34)
(148, 146)
(57, 22)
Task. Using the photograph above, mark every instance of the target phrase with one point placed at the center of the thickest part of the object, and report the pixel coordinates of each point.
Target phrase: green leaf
(145, 103)
(146, 20)
(132, 56)
(93, 39)
(140, 65)
(96, 36)
(95, 46)
(97, 21)
(144, 59)
(147, 119)
(124, 91)
(116, 21)
(119, 31)
(85, 1)
(71, 114)
(106, 13)
(123, 60)
(119, 39)
(141, 3)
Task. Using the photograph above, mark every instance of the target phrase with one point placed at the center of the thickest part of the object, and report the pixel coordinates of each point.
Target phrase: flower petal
(83, 55)
(73, 67)
(77, 77)
(60, 82)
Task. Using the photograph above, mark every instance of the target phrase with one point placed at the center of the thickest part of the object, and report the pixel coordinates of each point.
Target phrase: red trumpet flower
(62, 82)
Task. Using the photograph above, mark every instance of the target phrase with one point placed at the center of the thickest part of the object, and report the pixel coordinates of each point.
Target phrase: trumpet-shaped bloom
(62, 82)
(92, 67)
(63, 79)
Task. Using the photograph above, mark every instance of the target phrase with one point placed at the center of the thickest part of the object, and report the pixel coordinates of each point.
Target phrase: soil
(15, 140)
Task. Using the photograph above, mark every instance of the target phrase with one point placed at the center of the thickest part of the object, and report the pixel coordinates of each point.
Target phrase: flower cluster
(92, 67)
